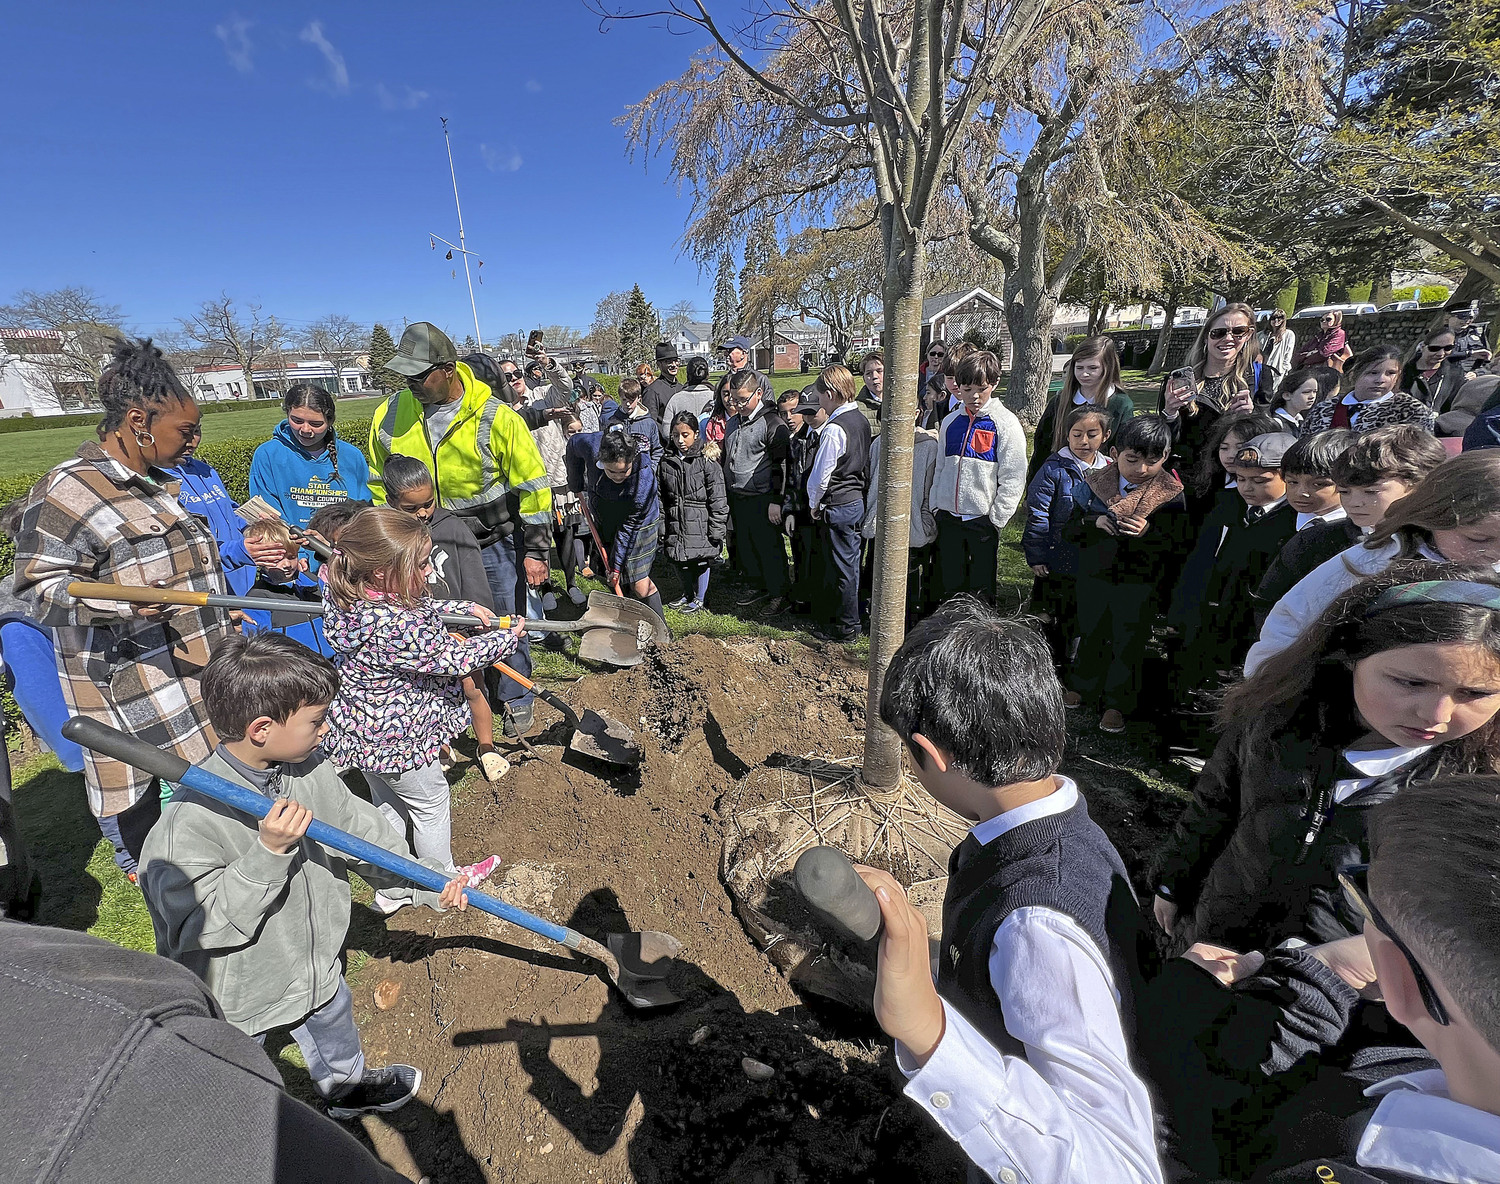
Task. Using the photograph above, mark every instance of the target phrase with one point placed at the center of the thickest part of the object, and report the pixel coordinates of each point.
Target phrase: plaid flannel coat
(91, 518)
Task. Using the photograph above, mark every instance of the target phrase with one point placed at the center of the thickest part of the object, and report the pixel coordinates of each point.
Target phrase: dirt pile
(533, 1069)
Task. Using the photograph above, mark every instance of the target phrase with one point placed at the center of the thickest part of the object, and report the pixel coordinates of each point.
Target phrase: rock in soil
(521, 1044)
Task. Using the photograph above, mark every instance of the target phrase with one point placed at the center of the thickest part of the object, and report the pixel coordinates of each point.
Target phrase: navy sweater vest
(1062, 862)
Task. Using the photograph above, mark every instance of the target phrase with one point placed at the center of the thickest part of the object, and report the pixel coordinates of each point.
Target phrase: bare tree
(223, 334)
(850, 101)
(679, 316)
(833, 278)
(609, 316)
(339, 341)
(79, 329)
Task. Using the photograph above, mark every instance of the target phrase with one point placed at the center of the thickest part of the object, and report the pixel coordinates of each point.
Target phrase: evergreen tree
(638, 332)
(382, 349)
(726, 300)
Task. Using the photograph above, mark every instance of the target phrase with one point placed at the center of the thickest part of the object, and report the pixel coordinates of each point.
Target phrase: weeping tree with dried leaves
(811, 107)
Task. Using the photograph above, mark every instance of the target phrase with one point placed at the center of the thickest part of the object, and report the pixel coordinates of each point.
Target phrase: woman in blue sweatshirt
(201, 491)
(302, 467)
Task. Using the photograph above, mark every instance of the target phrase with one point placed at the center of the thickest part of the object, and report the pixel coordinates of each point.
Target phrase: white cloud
(533, 86)
(500, 160)
(234, 32)
(408, 100)
(338, 73)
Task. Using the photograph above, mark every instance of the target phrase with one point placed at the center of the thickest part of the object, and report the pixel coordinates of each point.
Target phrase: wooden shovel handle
(82, 590)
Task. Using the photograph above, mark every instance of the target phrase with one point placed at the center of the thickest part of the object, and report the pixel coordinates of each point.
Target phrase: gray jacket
(755, 454)
(264, 931)
(697, 399)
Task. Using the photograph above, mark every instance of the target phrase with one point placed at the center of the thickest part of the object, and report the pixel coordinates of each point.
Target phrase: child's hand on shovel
(454, 896)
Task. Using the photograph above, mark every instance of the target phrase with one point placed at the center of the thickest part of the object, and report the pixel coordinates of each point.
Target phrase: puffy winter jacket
(1119, 407)
(202, 492)
(981, 465)
(1049, 505)
(639, 422)
(299, 483)
(694, 504)
(487, 468)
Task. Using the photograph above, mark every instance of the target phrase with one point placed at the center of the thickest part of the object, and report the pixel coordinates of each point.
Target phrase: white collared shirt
(1071, 1109)
(1420, 1131)
(832, 443)
(1360, 404)
(1337, 514)
(1373, 763)
(1099, 461)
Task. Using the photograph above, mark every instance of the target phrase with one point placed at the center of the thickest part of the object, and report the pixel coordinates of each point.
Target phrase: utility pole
(462, 249)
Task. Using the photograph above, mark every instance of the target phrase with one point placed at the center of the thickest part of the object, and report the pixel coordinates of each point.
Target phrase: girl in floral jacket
(401, 672)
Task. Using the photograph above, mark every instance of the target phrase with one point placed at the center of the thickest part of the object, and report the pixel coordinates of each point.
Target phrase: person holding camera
(1217, 380)
(1470, 345)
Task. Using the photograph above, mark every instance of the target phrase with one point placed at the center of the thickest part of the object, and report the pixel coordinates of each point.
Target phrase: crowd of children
(1313, 570)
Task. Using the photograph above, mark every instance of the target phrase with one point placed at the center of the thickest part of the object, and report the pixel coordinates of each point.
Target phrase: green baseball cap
(422, 347)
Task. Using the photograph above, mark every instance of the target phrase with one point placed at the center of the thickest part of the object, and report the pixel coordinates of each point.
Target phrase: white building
(36, 378)
(219, 382)
(697, 339)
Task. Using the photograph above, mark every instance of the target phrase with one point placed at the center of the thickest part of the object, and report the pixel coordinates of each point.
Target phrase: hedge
(80, 419)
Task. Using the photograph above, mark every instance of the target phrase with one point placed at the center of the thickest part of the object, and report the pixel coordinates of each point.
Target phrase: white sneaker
(577, 595)
(385, 905)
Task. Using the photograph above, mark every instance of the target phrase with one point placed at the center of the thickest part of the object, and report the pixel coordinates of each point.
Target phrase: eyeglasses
(1328, 316)
(937, 353)
(1354, 879)
(1219, 332)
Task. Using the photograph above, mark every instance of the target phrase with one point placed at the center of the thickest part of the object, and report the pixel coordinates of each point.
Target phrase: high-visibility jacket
(486, 468)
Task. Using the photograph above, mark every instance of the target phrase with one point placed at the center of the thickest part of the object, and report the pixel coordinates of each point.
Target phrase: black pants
(1114, 626)
(839, 537)
(1054, 597)
(761, 550)
(967, 555)
(806, 581)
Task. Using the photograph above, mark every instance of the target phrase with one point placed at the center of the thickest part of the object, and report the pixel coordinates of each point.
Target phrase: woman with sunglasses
(1431, 375)
(1326, 347)
(1220, 379)
(1397, 682)
(1278, 345)
(932, 363)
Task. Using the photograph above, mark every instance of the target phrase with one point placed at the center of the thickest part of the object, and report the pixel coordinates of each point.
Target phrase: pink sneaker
(478, 873)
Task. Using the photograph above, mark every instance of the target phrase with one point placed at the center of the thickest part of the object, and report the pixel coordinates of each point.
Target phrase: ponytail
(377, 550)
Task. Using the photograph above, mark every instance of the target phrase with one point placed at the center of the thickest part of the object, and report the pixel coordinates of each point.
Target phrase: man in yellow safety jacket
(486, 469)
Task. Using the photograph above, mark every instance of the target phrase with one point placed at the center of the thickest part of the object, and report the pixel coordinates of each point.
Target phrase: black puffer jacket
(1253, 858)
(694, 505)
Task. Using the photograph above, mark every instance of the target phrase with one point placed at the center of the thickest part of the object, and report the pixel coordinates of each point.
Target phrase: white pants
(419, 797)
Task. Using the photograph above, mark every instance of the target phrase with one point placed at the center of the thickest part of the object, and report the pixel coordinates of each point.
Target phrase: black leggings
(569, 551)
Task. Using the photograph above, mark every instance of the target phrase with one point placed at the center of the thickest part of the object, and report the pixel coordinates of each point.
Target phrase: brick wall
(1401, 328)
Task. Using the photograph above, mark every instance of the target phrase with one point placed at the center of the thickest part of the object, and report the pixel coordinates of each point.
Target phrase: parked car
(1349, 310)
(1400, 306)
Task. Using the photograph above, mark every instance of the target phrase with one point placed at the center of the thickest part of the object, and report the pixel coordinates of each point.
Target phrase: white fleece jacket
(990, 483)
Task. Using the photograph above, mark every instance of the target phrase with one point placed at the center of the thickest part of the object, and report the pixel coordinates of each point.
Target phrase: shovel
(636, 962)
(595, 735)
(613, 628)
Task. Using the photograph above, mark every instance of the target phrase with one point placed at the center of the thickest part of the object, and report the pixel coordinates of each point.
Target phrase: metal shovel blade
(644, 959)
(605, 739)
(611, 647)
(615, 612)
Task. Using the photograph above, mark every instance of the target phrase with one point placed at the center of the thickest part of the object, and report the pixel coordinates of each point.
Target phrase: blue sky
(291, 155)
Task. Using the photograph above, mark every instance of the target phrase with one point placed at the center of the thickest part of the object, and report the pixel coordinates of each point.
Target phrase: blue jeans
(507, 576)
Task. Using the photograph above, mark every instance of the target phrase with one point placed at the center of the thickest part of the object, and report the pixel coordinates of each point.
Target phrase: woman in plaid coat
(109, 514)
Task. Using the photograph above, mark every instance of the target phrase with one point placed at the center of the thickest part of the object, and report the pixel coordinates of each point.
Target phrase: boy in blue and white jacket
(978, 482)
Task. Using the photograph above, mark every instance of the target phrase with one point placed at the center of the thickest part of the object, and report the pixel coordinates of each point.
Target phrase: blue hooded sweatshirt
(202, 493)
(299, 483)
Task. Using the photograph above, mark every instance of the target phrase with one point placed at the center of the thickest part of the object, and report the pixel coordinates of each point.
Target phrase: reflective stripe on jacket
(487, 468)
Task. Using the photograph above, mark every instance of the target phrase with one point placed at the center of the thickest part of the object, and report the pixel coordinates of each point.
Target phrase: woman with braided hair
(111, 514)
(302, 467)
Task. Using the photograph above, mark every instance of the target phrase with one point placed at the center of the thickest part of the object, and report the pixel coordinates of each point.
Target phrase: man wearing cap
(486, 469)
(660, 392)
(737, 352)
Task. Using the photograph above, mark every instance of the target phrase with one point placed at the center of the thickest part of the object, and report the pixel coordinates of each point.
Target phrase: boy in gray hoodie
(260, 912)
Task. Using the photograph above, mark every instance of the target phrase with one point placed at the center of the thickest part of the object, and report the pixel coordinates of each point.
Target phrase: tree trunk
(906, 269)
(249, 378)
(1030, 307)
(1164, 338)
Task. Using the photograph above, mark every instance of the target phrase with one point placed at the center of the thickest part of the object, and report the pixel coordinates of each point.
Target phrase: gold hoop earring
(144, 439)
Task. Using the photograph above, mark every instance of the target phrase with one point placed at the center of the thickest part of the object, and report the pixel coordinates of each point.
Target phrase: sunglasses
(419, 379)
(512, 376)
(1354, 879)
(936, 353)
(1438, 349)
(1219, 332)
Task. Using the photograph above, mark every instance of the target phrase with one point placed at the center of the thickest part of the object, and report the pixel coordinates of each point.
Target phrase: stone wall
(1401, 328)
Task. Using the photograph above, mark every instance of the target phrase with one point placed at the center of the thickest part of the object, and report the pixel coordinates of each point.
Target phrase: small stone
(1154, 773)
(700, 1035)
(757, 1070)
(386, 994)
(545, 1149)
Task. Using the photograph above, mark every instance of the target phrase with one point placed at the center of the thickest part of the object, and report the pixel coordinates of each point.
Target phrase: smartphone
(1183, 374)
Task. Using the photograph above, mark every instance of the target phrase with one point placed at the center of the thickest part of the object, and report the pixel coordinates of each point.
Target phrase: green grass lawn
(38, 450)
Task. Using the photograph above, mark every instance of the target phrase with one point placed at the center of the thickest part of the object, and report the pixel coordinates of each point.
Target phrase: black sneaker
(381, 1091)
(518, 717)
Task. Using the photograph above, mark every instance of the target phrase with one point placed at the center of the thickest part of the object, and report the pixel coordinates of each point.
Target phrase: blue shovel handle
(90, 733)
